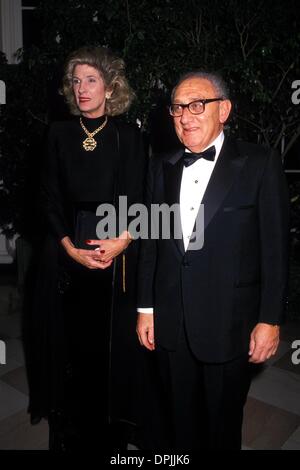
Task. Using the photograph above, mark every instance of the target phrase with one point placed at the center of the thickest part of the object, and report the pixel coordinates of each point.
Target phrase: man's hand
(264, 342)
(145, 330)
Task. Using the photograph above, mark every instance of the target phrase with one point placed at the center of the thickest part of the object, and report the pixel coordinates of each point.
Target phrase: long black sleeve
(148, 251)
(273, 219)
(51, 189)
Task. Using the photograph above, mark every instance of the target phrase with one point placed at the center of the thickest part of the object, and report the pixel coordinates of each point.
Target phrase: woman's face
(89, 91)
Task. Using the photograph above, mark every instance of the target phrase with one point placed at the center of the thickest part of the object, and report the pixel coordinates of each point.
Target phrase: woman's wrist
(126, 239)
(68, 245)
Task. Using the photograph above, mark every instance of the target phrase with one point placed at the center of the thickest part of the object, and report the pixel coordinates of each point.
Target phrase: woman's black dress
(85, 366)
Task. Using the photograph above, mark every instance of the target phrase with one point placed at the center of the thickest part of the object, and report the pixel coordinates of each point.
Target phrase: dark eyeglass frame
(203, 101)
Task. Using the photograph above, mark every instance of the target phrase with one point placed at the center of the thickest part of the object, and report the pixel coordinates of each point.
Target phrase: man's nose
(186, 115)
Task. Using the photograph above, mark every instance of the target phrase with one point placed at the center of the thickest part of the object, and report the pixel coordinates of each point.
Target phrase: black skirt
(87, 305)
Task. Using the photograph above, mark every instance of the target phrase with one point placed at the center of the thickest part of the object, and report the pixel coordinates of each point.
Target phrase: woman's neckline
(93, 123)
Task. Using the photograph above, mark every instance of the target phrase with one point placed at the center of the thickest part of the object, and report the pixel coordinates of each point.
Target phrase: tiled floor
(272, 414)
(16, 432)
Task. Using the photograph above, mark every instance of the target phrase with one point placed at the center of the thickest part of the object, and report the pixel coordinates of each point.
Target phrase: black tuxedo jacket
(238, 278)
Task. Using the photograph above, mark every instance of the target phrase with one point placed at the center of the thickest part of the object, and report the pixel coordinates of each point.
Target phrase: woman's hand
(88, 258)
(109, 249)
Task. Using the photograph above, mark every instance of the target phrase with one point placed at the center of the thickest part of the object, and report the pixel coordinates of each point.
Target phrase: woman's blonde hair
(111, 69)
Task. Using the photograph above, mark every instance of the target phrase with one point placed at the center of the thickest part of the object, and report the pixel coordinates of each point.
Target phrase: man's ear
(224, 110)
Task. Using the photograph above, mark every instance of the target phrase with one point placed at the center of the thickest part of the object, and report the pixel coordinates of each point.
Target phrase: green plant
(255, 49)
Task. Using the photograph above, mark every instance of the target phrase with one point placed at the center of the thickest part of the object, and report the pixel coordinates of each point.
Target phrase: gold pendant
(89, 144)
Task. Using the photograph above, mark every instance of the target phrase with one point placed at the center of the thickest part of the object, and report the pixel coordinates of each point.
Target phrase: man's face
(197, 131)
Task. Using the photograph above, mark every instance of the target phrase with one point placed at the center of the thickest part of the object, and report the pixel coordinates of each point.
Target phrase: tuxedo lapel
(172, 181)
(226, 170)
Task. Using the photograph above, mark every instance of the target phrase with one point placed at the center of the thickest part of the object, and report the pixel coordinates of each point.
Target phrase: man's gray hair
(214, 78)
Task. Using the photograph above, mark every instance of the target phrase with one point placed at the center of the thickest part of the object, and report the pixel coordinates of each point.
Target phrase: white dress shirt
(194, 182)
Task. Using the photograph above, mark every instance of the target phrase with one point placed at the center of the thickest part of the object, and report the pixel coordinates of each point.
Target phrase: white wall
(11, 34)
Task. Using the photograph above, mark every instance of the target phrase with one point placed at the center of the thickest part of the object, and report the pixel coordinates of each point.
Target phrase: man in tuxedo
(211, 311)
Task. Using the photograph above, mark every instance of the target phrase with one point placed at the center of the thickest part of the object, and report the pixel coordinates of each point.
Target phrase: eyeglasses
(194, 107)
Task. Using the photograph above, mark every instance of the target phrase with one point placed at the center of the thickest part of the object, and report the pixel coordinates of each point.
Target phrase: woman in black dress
(85, 364)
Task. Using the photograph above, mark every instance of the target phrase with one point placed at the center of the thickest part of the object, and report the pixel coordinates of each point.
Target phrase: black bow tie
(208, 154)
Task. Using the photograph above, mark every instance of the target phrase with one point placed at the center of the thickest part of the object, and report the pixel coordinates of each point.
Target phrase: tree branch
(250, 122)
(128, 17)
(37, 118)
(243, 32)
(260, 128)
(281, 134)
(253, 47)
(240, 32)
(282, 79)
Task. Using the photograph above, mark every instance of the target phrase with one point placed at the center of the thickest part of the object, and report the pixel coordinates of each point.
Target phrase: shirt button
(196, 181)
(192, 208)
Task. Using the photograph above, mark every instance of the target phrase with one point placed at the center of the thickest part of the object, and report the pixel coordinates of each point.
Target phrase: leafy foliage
(254, 45)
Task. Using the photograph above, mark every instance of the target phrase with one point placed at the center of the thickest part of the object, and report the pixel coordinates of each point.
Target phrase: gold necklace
(89, 144)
